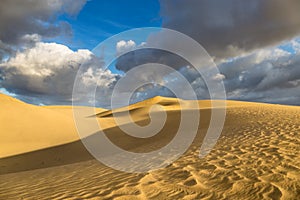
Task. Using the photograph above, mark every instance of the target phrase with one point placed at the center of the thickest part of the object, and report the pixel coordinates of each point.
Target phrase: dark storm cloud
(26, 17)
(266, 75)
(143, 56)
(226, 28)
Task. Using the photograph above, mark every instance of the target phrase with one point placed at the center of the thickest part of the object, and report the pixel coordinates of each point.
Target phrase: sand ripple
(257, 157)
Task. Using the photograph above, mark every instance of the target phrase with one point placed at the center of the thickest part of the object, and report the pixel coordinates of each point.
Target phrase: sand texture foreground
(256, 157)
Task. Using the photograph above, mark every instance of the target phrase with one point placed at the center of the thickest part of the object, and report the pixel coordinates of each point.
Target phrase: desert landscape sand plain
(256, 157)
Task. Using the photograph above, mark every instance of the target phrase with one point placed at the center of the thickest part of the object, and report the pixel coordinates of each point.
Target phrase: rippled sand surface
(256, 157)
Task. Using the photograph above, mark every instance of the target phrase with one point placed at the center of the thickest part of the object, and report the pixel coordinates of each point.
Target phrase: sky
(99, 20)
(43, 44)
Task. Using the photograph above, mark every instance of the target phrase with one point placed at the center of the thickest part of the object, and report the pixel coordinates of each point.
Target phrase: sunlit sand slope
(25, 128)
(256, 157)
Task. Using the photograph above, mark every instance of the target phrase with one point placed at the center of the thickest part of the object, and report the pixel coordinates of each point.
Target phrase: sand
(256, 157)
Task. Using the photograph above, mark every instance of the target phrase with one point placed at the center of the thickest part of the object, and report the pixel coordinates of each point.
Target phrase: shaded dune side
(49, 157)
(76, 152)
(57, 149)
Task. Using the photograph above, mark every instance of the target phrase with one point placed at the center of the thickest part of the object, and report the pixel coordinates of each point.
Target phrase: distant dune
(256, 157)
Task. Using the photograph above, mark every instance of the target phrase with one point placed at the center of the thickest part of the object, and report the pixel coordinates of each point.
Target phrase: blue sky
(99, 20)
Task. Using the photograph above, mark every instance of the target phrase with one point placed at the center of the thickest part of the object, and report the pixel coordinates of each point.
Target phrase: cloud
(143, 56)
(48, 70)
(123, 46)
(19, 18)
(44, 73)
(228, 28)
(237, 33)
(135, 57)
(269, 75)
(219, 77)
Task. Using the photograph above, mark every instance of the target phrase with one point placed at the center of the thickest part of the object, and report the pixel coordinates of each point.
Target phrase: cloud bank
(242, 37)
(267, 75)
(228, 28)
(48, 70)
(19, 18)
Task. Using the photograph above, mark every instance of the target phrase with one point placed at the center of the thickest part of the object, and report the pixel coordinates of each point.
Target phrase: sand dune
(25, 128)
(256, 157)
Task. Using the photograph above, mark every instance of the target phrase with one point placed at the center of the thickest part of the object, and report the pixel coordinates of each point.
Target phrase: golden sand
(256, 157)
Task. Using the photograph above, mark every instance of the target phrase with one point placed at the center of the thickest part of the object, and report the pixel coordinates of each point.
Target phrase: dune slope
(256, 157)
(26, 127)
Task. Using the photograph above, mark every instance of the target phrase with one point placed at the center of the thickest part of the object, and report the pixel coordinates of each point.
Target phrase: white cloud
(44, 59)
(49, 69)
(218, 77)
(123, 46)
(295, 45)
(99, 77)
